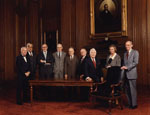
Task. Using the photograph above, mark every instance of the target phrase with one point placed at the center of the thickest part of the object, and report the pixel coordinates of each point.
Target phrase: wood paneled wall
(72, 19)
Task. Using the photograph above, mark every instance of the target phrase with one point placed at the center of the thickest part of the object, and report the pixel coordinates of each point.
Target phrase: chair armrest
(113, 87)
(116, 85)
(99, 83)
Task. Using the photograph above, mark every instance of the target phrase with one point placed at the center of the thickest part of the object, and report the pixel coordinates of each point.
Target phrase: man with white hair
(71, 64)
(93, 71)
(59, 58)
(32, 56)
(23, 71)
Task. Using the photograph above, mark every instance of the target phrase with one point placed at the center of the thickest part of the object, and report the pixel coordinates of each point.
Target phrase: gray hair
(59, 44)
(93, 49)
(29, 44)
(22, 48)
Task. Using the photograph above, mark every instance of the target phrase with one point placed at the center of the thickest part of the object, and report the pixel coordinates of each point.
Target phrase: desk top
(60, 82)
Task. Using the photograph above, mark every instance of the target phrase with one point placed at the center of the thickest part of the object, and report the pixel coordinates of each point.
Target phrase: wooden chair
(114, 95)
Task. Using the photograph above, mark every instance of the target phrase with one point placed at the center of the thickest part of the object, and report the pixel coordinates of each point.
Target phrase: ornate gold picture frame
(108, 18)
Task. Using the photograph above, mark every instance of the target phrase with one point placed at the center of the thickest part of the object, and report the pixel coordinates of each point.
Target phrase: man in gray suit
(131, 59)
(59, 57)
(71, 64)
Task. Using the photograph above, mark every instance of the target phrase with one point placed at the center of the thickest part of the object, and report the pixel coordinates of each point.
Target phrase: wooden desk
(58, 83)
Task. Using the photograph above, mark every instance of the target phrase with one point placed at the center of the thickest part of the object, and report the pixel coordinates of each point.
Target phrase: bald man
(59, 58)
(129, 68)
(46, 62)
(23, 73)
(71, 64)
(93, 70)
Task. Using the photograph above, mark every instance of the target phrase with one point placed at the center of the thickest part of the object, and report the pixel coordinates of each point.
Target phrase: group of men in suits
(64, 66)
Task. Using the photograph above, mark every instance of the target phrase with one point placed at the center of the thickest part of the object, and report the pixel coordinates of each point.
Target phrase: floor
(55, 107)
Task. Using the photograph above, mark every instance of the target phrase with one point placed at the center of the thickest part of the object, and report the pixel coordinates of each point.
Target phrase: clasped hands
(27, 74)
(124, 68)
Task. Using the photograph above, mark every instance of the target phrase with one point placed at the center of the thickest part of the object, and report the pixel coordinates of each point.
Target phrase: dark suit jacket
(49, 59)
(81, 66)
(71, 67)
(33, 63)
(91, 71)
(22, 67)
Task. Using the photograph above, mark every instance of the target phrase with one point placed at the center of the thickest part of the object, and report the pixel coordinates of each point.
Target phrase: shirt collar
(44, 52)
(129, 51)
(112, 57)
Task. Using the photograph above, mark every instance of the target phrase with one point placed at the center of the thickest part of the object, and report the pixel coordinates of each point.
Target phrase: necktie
(94, 63)
(71, 57)
(31, 54)
(59, 54)
(82, 59)
(127, 54)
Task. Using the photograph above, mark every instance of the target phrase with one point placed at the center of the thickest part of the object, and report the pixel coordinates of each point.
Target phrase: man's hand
(66, 76)
(124, 67)
(27, 74)
(89, 79)
(42, 61)
(102, 79)
(108, 66)
(81, 77)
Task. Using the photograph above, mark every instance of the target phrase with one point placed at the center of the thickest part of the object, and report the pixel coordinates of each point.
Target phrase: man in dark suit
(23, 71)
(46, 62)
(32, 56)
(71, 64)
(129, 69)
(93, 71)
(81, 66)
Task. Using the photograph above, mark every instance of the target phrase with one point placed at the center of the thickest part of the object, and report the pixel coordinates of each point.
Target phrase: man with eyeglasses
(46, 62)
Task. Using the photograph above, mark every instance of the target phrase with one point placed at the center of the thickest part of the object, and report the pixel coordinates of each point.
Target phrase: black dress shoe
(133, 107)
(19, 103)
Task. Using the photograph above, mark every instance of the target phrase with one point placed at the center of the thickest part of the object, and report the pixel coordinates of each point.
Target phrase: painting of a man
(106, 15)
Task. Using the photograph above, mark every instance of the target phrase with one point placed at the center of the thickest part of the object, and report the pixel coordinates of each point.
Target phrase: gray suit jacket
(131, 64)
(71, 67)
(59, 62)
(115, 62)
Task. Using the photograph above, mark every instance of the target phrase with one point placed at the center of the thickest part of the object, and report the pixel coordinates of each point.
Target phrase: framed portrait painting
(108, 18)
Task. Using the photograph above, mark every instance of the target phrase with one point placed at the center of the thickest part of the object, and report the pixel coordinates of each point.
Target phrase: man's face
(44, 48)
(24, 52)
(83, 52)
(59, 48)
(92, 53)
(71, 51)
(105, 7)
(30, 48)
(128, 45)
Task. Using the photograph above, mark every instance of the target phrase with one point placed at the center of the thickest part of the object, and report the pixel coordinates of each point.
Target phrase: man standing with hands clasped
(23, 71)
(131, 59)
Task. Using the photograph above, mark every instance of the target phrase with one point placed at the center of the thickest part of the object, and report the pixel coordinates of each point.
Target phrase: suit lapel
(130, 55)
(43, 55)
